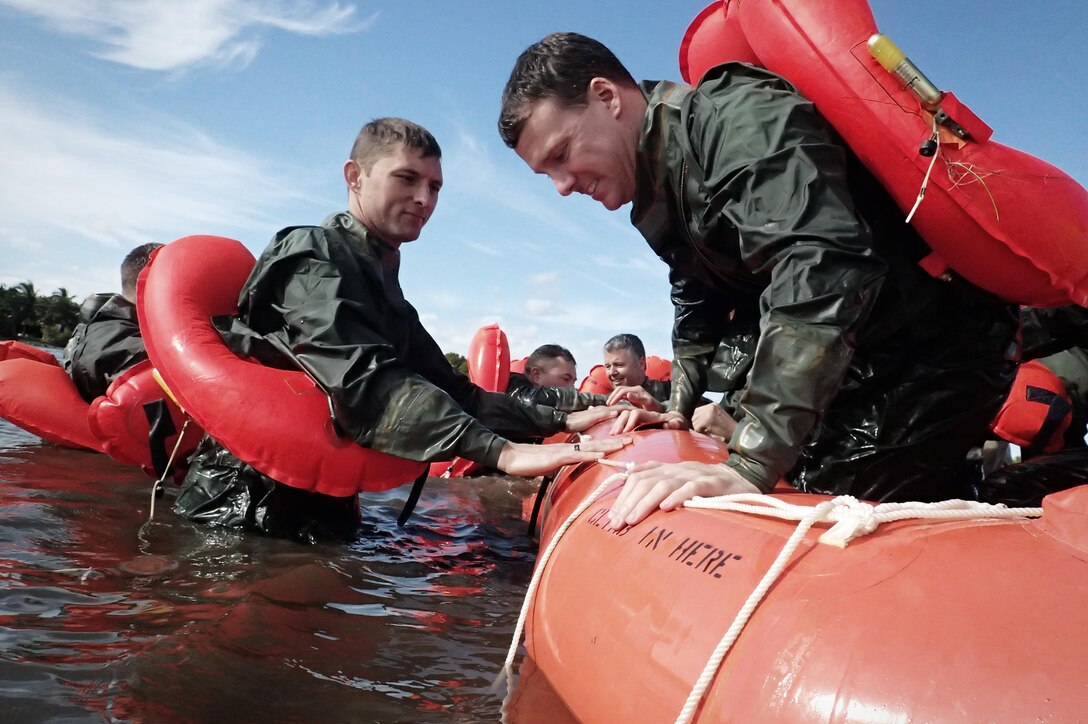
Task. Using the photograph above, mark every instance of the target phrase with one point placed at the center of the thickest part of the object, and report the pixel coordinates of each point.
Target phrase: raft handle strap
(537, 503)
(413, 498)
(161, 427)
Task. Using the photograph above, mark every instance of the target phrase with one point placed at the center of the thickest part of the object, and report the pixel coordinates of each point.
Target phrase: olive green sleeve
(324, 305)
(773, 170)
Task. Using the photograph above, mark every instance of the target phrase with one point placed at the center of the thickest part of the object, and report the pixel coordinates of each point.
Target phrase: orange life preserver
(489, 358)
(118, 421)
(596, 382)
(489, 367)
(13, 349)
(1037, 412)
(40, 398)
(278, 421)
(1004, 220)
(38, 395)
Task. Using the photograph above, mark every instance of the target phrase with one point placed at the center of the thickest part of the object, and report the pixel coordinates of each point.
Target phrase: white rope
(925, 180)
(541, 564)
(169, 462)
(852, 519)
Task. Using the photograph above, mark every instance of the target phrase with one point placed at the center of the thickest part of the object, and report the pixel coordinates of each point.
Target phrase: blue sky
(123, 122)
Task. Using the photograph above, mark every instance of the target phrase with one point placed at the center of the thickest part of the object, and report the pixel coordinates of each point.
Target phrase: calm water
(105, 618)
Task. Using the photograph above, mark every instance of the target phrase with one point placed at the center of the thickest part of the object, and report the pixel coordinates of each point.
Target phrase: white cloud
(483, 248)
(544, 279)
(539, 307)
(70, 179)
(156, 35)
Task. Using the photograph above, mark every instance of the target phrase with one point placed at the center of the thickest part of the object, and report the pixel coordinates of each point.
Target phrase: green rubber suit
(796, 292)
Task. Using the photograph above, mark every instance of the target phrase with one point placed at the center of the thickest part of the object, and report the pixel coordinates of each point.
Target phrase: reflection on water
(102, 617)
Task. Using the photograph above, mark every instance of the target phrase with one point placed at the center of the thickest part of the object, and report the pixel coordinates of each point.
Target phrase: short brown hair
(547, 352)
(560, 66)
(132, 265)
(380, 136)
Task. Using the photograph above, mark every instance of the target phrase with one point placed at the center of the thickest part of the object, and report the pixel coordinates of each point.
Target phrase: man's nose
(564, 183)
(424, 196)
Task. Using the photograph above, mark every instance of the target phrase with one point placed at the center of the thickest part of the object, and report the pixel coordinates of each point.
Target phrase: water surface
(106, 616)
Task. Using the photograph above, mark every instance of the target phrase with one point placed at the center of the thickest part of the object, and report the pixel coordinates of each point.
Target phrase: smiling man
(857, 372)
(327, 300)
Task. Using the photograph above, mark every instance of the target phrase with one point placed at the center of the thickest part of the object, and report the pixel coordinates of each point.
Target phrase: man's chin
(612, 203)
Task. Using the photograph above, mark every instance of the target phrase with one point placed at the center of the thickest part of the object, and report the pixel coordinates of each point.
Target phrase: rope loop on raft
(851, 518)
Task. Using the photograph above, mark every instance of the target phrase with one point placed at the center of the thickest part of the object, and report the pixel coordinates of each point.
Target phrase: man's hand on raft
(668, 485)
(636, 396)
(584, 419)
(528, 460)
(631, 418)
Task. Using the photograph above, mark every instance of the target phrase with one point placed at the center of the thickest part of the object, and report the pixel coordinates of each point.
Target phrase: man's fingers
(621, 422)
(605, 444)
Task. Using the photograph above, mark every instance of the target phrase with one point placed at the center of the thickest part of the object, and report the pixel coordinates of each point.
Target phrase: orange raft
(1004, 220)
(276, 420)
(919, 621)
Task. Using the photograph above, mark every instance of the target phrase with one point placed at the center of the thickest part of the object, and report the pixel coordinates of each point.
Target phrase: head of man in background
(551, 366)
(625, 360)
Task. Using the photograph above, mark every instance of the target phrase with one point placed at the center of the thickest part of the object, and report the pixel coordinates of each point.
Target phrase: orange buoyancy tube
(276, 420)
(40, 397)
(489, 358)
(488, 368)
(909, 623)
(117, 419)
(13, 349)
(1006, 221)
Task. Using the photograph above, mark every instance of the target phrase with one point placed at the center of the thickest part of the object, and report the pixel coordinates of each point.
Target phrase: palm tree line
(26, 314)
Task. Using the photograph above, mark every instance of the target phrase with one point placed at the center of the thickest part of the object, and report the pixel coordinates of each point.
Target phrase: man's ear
(352, 174)
(605, 91)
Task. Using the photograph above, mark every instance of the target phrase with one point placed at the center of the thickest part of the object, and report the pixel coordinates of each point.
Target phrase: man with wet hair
(327, 300)
(858, 372)
(550, 373)
(107, 340)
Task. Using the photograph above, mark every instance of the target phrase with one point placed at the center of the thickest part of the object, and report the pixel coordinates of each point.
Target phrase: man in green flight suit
(327, 299)
(549, 377)
(866, 377)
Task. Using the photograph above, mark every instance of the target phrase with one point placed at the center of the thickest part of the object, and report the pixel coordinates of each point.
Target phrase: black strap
(162, 427)
(541, 491)
(413, 498)
(1057, 408)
